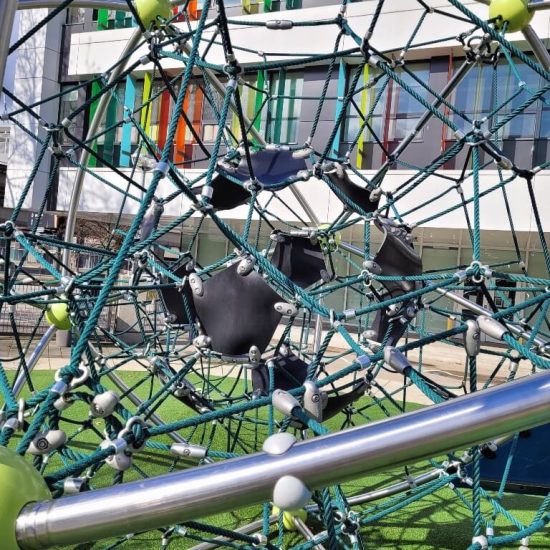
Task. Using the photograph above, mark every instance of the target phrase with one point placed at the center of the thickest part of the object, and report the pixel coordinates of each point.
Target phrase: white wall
(35, 77)
(95, 52)
(97, 197)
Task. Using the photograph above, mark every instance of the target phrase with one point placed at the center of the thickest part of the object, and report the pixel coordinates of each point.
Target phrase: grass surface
(439, 521)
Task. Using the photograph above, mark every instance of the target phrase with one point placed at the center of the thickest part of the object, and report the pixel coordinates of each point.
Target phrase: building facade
(80, 44)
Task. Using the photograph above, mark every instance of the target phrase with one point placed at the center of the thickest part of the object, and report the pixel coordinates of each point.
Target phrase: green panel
(120, 17)
(102, 19)
(293, 4)
(272, 5)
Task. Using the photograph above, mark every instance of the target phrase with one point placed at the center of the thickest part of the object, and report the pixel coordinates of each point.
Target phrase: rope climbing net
(216, 358)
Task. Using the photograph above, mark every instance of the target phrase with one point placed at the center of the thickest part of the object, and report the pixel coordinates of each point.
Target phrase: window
(365, 102)
(523, 83)
(405, 110)
(284, 110)
(70, 100)
(76, 16)
(393, 119)
(476, 97)
(4, 144)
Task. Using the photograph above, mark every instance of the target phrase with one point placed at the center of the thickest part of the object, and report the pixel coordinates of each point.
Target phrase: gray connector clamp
(491, 327)
(188, 451)
(285, 402)
(396, 360)
(313, 401)
(472, 338)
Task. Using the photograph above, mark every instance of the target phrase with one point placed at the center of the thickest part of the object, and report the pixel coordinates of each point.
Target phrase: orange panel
(194, 10)
(179, 152)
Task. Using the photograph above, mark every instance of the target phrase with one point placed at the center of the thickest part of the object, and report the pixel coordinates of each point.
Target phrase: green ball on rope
(513, 12)
(149, 10)
(20, 484)
(57, 315)
(288, 517)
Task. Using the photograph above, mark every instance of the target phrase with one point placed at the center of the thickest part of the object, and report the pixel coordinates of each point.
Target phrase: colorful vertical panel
(250, 6)
(179, 150)
(194, 10)
(340, 92)
(364, 111)
(164, 118)
(102, 19)
(197, 111)
(126, 139)
(145, 120)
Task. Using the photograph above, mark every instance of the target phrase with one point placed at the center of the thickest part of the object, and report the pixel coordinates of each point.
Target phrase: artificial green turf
(439, 521)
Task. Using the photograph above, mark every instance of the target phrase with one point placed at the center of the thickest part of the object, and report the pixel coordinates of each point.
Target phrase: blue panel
(530, 470)
(274, 169)
(126, 141)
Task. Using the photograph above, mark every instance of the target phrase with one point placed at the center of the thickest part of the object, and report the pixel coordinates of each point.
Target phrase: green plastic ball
(20, 484)
(149, 10)
(288, 517)
(515, 12)
(58, 315)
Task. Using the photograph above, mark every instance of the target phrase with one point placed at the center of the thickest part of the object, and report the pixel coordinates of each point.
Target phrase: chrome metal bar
(394, 489)
(7, 10)
(155, 419)
(84, 157)
(318, 333)
(245, 530)
(535, 6)
(182, 496)
(33, 359)
(539, 49)
(352, 248)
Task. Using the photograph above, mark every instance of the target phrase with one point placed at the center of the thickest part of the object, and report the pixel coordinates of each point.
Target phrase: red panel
(164, 117)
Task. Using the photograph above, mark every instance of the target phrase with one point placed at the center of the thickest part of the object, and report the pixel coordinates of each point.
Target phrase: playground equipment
(235, 361)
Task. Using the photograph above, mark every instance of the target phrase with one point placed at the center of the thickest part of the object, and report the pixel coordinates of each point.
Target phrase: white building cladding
(71, 49)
